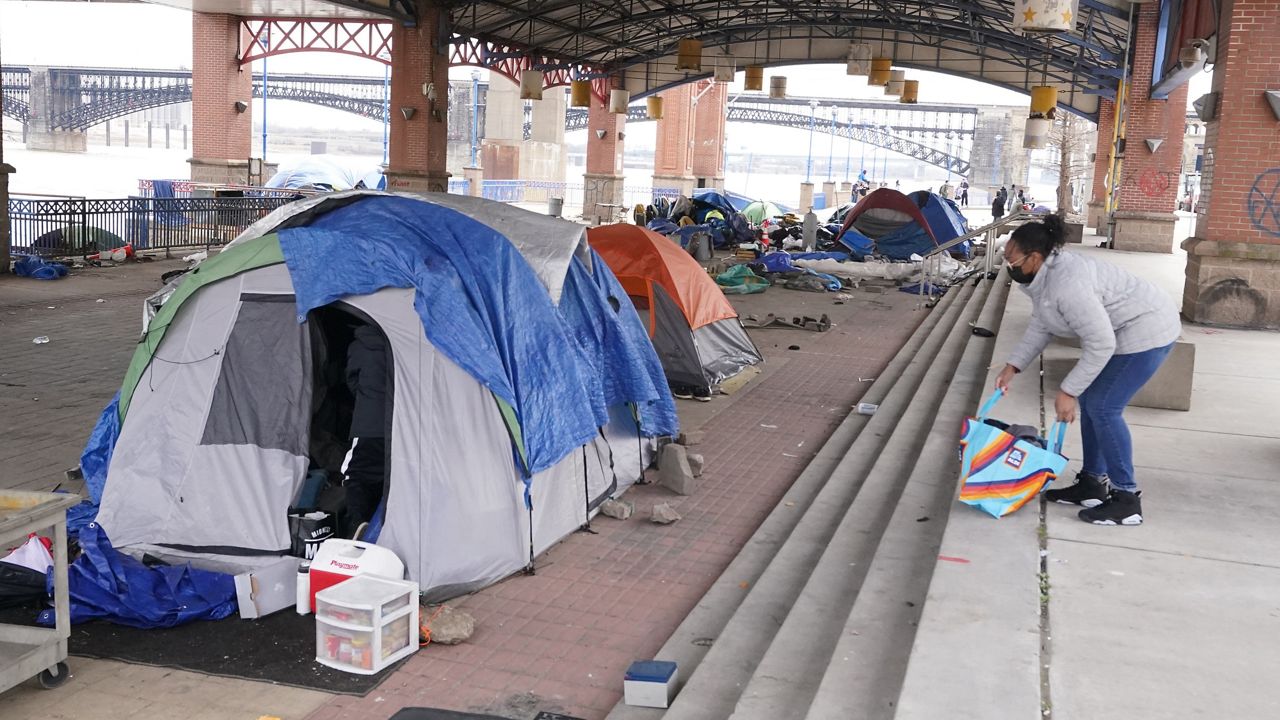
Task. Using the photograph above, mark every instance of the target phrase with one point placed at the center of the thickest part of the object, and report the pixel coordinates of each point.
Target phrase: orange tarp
(639, 256)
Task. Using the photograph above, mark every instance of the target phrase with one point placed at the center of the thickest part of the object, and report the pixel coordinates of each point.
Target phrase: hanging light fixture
(880, 69)
(1044, 15)
(689, 55)
(858, 61)
(530, 84)
(778, 87)
(1044, 104)
(653, 106)
(897, 82)
(580, 93)
(753, 79)
(618, 101)
(726, 68)
(910, 92)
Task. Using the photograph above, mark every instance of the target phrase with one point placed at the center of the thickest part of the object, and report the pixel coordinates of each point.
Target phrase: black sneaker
(1121, 508)
(702, 394)
(684, 392)
(1089, 491)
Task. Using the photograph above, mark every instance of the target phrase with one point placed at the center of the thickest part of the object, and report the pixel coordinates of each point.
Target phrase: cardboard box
(268, 589)
(650, 683)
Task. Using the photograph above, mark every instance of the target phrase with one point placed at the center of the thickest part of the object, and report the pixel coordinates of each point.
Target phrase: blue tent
(712, 199)
(944, 218)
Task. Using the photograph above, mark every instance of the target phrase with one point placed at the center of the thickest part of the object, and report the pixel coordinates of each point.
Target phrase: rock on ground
(674, 472)
(664, 514)
(451, 626)
(618, 509)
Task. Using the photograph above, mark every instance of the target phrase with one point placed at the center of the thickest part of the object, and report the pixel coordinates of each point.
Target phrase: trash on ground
(983, 332)
(41, 340)
(38, 268)
(793, 347)
(867, 408)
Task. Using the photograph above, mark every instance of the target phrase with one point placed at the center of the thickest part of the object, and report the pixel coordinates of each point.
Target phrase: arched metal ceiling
(636, 39)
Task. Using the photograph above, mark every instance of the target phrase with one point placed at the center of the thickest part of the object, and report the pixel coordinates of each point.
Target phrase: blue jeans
(1108, 449)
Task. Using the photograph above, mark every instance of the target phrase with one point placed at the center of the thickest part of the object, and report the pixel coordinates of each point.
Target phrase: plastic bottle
(303, 601)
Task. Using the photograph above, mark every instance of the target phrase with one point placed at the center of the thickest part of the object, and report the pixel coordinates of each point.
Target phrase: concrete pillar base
(1096, 216)
(829, 192)
(475, 180)
(683, 184)
(846, 192)
(601, 198)
(1140, 231)
(412, 182)
(68, 141)
(5, 171)
(715, 183)
(806, 197)
(219, 172)
(1232, 284)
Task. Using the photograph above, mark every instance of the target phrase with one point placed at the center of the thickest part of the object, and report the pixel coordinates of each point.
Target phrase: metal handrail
(999, 222)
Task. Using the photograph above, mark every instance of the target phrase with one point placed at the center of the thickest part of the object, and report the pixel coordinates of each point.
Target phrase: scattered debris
(771, 427)
(664, 514)
(818, 324)
(674, 470)
(100, 300)
(923, 519)
(196, 257)
(790, 503)
(793, 347)
(448, 626)
(696, 462)
(948, 558)
(983, 332)
(617, 509)
(843, 297)
(41, 340)
(867, 408)
(862, 379)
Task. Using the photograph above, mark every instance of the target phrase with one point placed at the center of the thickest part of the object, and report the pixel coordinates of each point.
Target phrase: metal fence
(75, 227)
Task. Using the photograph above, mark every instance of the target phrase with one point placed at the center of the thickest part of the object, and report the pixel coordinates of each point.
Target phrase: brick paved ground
(561, 639)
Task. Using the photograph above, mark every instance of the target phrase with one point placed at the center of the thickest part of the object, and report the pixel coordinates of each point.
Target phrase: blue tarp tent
(944, 218)
(523, 385)
(320, 172)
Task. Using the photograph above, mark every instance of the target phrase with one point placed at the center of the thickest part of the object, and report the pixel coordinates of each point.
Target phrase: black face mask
(1023, 278)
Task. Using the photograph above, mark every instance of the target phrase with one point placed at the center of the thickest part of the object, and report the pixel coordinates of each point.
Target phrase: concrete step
(788, 675)
(692, 640)
(866, 671)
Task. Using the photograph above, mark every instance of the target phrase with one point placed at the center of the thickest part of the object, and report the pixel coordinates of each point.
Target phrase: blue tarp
(326, 173)
(944, 218)
(109, 585)
(738, 201)
(860, 246)
(94, 462)
(829, 255)
(776, 261)
(632, 372)
(663, 226)
(715, 199)
(480, 304)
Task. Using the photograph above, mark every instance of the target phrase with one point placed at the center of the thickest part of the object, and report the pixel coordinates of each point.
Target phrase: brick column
(1233, 263)
(709, 135)
(417, 159)
(1144, 219)
(1097, 215)
(602, 182)
(673, 154)
(221, 136)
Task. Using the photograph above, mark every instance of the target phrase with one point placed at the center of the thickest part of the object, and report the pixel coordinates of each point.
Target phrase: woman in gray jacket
(1126, 326)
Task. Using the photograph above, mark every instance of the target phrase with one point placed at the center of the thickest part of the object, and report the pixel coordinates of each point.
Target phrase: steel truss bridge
(935, 134)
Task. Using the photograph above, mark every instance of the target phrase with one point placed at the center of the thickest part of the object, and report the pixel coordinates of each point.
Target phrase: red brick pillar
(416, 158)
(602, 182)
(1097, 218)
(221, 135)
(1148, 194)
(1233, 263)
(709, 134)
(673, 152)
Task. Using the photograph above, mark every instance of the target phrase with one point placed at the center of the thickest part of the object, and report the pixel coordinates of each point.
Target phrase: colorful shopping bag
(1000, 472)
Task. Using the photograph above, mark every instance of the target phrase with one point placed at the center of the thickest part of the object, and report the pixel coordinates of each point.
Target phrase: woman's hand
(1065, 406)
(1002, 380)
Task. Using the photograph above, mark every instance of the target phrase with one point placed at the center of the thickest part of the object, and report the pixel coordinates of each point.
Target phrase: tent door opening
(350, 437)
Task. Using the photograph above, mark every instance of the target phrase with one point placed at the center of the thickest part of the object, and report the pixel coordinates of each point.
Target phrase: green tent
(760, 210)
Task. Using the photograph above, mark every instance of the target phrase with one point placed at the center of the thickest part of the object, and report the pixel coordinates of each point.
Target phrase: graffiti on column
(1151, 183)
(1264, 203)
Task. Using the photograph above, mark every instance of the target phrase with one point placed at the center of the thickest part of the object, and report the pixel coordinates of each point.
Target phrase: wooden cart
(27, 652)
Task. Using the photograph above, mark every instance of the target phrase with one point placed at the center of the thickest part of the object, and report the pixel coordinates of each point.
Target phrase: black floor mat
(279, 648)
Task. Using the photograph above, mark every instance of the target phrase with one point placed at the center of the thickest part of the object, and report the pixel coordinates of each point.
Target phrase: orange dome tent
(694, 329)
